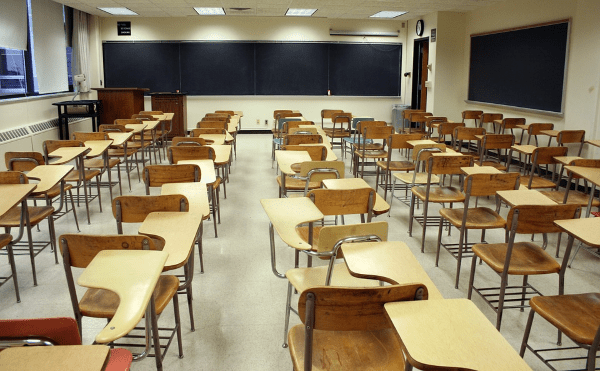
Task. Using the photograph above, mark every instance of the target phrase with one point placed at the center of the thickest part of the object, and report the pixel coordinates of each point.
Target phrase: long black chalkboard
(149, 65)
(521, 68)
(255, 68)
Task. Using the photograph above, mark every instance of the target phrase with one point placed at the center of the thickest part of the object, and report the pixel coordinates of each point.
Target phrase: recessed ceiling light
(300, 12)
(209, 11)
(387, 14)
(118, 11)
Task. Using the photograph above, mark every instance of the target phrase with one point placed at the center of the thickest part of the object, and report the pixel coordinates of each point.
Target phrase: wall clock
(420, 27)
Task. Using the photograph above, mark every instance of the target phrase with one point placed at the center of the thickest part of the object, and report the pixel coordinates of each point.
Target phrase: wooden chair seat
(538, 182)
(477, 218)
(304, 278)
(73, 176)
(368, 146)
(495, 164)
(439, 194)
(397, 165)
(575, 197)
(421, 178)
(54, 191)
(348, 350)
(5, 239)
(371, 154)
(12, 218)
(102, 303)
(527, 258)
(303, 232)
(120, 152)
(577, 316)
(337, 134)
(296, 184)
(98, 163)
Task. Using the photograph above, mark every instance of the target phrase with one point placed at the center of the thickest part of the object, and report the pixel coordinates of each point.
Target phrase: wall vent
(12, 134)
(43, 126)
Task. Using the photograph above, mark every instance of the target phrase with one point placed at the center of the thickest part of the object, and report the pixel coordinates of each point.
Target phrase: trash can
(397, 110)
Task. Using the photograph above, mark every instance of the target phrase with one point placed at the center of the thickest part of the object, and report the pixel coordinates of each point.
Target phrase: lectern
(120, 103)
(175, 103)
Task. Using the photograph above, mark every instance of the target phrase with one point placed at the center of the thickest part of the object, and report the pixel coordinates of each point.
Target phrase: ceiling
(344, 9)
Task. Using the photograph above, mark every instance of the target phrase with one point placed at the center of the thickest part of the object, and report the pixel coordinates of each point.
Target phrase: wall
(261, 28)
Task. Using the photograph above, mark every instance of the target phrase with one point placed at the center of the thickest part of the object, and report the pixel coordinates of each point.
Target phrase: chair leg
(411, 214)
(500, 309)
(439, 242)
(155, 335)
(13, 268)
(73, 209)
(462, 241)
(177, 323)
(472, 276)
(98, 188)
(288, 308)
(527, 332)
(31, 252)
(52, 234)
(425, 207)
(110, 183)
(119, 176)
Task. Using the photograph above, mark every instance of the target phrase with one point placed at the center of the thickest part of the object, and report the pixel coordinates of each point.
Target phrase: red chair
(53, 331)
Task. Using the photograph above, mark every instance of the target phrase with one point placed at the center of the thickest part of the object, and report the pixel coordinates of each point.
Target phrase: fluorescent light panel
(295, 12)
(118, 11)
(209, 11)
(363, 33)
(387, 14)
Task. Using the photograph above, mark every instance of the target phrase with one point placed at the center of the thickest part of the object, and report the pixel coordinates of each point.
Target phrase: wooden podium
(120, 103)
(175, 103)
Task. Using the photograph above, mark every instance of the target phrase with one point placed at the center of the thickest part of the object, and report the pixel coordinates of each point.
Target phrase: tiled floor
(238, 302)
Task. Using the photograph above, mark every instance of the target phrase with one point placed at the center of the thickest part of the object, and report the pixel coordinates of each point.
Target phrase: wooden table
(67, 154)
(119, 139)
(392, 262)
(285, 160)
(48, 177)
(56, 358)
(222, 153)
(380, 206)
(97, 147)
(130, 274)
(284, 215)
(524, 197)
(590, 174)
(137, 128)
(476, 169)
(217, 138)
(451, 333)
(194, 192)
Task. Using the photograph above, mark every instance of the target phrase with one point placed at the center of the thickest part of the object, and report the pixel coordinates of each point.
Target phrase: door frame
(420, 73)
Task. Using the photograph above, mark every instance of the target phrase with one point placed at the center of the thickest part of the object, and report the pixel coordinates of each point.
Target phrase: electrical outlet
(257, 121)
(267, 122)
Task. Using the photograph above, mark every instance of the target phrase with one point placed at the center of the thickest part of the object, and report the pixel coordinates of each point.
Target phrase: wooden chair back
(289, 114)
(328, 113)
(407, 112)
(419, 116)
(529, 219)
(487, 118)
(50, 146)
(471, 115)
(447, 128)
(586, 162)
(188, 141)
(570, 136)
(217, 114)
(113, 128)
(23, 161)
(143, 117)
(276, 113)
(545, 155)
(212, 125)
(511, 123)
(297, 139)
(49, 331)
(13, 177)
(127, 121)
(535, 128)
(341, 118)
(224, 119)
(419, 155)
(288, 125)
(467, 134)
(84, 136)
(181, 153)
(497, 141)
(378, 132)
(134, 209)
(362, 125)
(157, 175)
(230, 113)
(316, 153)
(282, 121)
(399, 141)
(151, 113)
(330, 235)
(344, 201)
(447, 164)
(430, 120)
(354, 309)
(199, 131)
(477, 185)
(297, 130)
(307, 166)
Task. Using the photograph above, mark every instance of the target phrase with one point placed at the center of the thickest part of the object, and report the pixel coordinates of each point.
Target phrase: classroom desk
(48, 176)
(414, 143)
(285, 160)
(208, 177)
(476, 169)
(392, 262)
(594, 142)
(284, 215)
(451, 333)
(97, 147)
(12, 194)
(138, 129)
(56, 358)
(67, 154)
(584, 230)
(130, 274)
(194, 192)
(590, 174)
(524, 197)
(222, 153)
(380, 206)
(218, 139)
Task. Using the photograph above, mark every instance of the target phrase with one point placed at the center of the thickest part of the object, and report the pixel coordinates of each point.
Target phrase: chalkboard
(217, 68)
(522, 67)
(291, 69)
(142, 65)
(364, 69)
(255, 68)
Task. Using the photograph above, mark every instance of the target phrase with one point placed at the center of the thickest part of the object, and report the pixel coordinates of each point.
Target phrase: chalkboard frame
(553, 112)
(255, 76)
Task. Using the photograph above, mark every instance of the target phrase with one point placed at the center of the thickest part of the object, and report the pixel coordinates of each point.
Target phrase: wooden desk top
(97, 147)
(550, 133)
(566, 160)
(524, 197)
(286, 213)
(380, 207)
(57, 358)
(119, 138)
(526, 149)
(524, 127)
(589, 173)
(498, 122)
(136, 128)
(392, 262)
(48, 176)
(285, 160)
(233, 124)
(451, 333)
(178, 229)
(195, 193)
(414, 143)
(67, 154)
(584, 229)
(12, 194)
(594, 142)
(476, 169)
(222, 153)
(207, 170)
(151, 125)
(217, 138)
(130, 274)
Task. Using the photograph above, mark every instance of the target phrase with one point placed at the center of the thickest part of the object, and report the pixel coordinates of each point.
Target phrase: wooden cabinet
(120, 103)
(175, 103)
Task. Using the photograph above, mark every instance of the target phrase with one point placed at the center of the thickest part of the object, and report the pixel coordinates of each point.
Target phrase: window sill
(36, 97)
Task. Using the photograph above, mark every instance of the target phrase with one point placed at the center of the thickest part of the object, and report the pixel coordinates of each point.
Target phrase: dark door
(420, 61)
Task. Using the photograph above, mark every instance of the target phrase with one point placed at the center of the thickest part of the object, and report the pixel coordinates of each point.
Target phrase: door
(420, 62)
